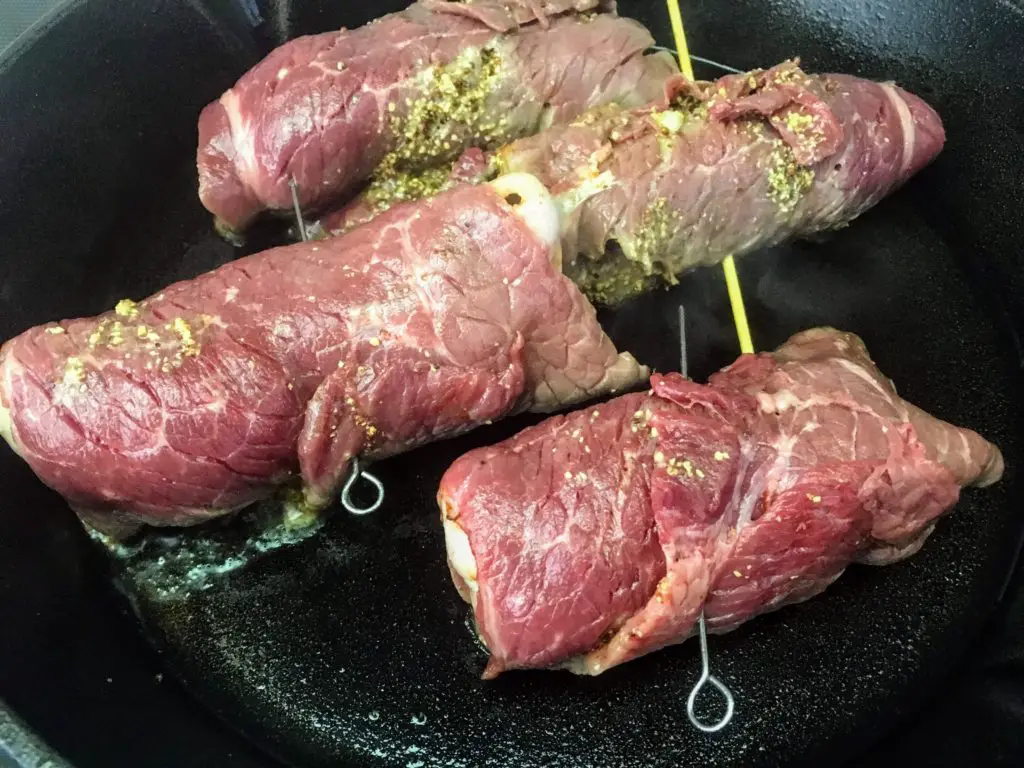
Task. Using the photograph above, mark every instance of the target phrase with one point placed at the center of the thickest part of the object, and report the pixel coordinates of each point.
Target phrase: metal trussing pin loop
(355, 472)
(705, 678)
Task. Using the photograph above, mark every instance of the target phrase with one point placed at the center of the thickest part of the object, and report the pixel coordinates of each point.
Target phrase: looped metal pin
(355, 474)
(701, 59)
(299, 221)
(705, 678)
(705, 675)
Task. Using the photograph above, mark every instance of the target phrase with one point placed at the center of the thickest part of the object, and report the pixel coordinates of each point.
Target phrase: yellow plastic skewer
(732, 279)
(682, 49)
(739, 311)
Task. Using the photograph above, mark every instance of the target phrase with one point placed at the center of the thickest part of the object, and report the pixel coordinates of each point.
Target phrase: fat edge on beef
(599, 536)
(395, 96)
(711, 169)
(442, 315)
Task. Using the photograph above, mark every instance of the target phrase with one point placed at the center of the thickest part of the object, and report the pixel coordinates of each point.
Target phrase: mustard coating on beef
(453, 102)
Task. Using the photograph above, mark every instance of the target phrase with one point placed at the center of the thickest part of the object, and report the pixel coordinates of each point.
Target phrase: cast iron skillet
(351, 647)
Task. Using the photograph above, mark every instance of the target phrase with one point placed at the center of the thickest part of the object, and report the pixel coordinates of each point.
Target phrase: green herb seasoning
(788, 181)
(651, 242)
(397, 187)
(451, 106)
(612, 279)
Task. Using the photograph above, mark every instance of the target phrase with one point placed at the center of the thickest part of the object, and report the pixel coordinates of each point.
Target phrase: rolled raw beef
(594, 538)
(439, 316)
(396, 96)
(721, 168)
(712, 169)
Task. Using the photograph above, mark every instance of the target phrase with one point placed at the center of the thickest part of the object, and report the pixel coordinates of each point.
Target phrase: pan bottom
(351, 646)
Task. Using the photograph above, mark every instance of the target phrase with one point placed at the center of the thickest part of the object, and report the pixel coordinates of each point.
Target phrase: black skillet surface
(351, 647)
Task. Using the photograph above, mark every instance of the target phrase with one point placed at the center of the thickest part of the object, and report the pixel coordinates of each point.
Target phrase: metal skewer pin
(701, 59)
(739, 314)
(705, 676)
(355, 472)
(300, 222)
